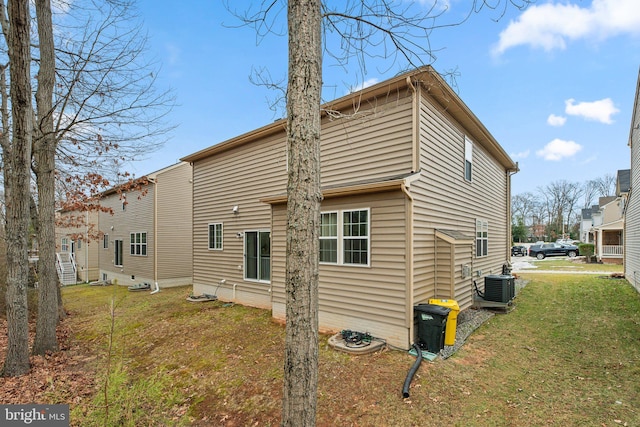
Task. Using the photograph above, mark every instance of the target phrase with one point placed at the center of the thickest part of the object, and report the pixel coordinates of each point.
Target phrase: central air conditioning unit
(499, 288)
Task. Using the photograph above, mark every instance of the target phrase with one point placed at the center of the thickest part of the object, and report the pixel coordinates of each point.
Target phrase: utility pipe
(412, 371)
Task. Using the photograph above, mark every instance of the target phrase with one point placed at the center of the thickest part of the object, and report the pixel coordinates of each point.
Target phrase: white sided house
(147, 238)
(415, 206)
(632, 208)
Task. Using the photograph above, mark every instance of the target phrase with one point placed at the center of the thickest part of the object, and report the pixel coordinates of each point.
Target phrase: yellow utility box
(452, 318)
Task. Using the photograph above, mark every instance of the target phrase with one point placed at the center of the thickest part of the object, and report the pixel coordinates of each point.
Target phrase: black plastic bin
(432, 322)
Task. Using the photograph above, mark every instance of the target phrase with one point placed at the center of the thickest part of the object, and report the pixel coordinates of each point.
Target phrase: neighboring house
(632, 208)
(415, 206)
(147, 238)
(77, 246)
(608, 222)
(607, 229)
(585, 226)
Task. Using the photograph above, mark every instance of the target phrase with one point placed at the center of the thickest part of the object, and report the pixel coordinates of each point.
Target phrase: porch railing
(612, 251)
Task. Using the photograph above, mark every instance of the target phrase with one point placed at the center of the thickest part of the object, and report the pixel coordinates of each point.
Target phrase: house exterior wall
(443, 198)
(136, 215)
(383, 139)
(373, 134)
(239, 177)
(585, 227)
(632, 215)
(612, 211)
(174, 238)
(371, 141)
(364, 298)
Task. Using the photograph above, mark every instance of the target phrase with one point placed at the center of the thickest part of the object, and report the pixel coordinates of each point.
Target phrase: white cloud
(550, 26)
(363, 85)
(599, 111)
(520, 155)
(436, 5)
(556, 121)
(559, 149)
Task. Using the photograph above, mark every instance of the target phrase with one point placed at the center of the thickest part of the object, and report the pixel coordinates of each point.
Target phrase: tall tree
(44, 147)
(303, 213)
(353, 29)
(16, 154)
(96, 108)
(606, 185)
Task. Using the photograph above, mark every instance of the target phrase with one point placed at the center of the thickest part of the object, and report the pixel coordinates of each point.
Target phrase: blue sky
(554, 83)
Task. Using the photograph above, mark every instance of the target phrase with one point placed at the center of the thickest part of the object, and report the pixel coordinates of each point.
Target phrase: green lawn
(568, 354)
(575, 265)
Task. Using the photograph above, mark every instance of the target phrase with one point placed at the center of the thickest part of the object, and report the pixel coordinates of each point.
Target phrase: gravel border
(471, 319)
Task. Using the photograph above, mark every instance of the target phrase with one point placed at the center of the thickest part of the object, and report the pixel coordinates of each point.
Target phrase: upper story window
(215, 236)
(105, 241)
(468, 158)
(344, 237)
(138, 244)
(482, 238)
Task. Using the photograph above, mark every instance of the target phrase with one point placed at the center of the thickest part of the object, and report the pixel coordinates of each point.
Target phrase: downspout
(155, 236)
(87, 264)
(510, 173)
(415, 163)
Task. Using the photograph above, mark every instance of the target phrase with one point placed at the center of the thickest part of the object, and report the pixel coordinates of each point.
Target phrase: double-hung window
(344, 237)
(215, 236)
(468, 158)
(64, 245)
(329, 237)
(257, 255)
(138, 244)
(482, 238)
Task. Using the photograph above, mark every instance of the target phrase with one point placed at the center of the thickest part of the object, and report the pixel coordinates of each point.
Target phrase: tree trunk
(17, 178)
(44, 155)
(303, 213)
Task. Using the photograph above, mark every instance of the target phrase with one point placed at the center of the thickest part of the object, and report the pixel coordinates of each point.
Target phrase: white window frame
(64, 244)
(482, 238)
(217, 243)
(259, 257)
(138, 247)
(342, 238)
(468, 159)
(330, 237)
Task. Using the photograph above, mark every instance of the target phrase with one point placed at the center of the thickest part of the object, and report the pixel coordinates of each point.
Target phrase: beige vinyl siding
(444, 259)
(136, 217)
(174, 201)
(363, 298)
(87, 254)
(632, 216)
(246, 173)
(444, 199)
(380, 134)
(237, 177)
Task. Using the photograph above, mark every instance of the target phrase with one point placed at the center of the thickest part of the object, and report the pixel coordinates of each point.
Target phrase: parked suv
(553, 249)
(518, 250)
